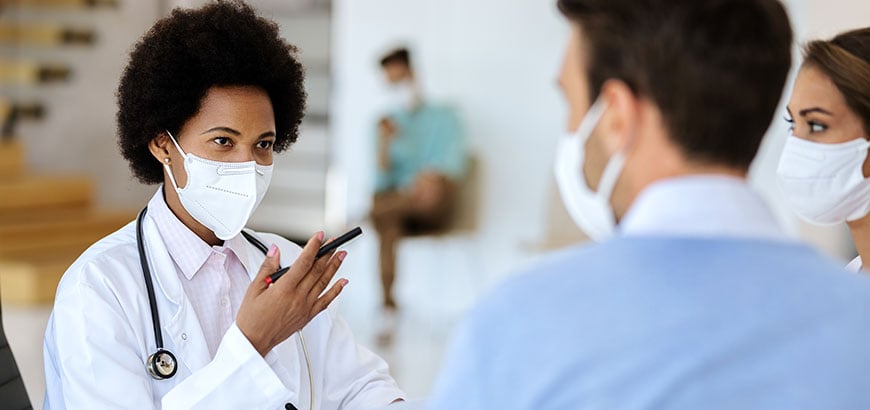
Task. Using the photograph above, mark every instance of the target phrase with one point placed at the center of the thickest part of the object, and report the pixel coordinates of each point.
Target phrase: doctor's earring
(166, 160)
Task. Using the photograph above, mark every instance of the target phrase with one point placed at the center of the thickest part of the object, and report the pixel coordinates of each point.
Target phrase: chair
(458, 242)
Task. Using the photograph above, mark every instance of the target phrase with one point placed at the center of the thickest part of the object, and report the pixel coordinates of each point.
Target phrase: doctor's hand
(269, 314)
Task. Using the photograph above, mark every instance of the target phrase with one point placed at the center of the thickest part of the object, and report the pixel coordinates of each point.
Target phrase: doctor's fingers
(320, 268)
(322, 281)
(269, 266)
(301, 265)
(324, 301)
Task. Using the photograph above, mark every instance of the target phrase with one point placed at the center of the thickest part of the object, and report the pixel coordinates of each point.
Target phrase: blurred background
(63, 183)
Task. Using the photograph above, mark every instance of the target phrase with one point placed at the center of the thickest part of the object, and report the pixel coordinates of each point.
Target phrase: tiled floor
(439, 278)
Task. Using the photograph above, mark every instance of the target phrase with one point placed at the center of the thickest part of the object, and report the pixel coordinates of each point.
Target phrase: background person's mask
(590, 210)
(825, 183)
(221, 195)
(402, 95)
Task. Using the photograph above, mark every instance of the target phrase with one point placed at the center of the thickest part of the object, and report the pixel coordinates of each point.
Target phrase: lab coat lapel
(181, 327)
(249, 255)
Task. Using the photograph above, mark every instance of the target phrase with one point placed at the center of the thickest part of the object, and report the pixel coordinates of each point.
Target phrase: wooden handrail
(23, 73)
(12, 112)
(44, 35)
(59, 3)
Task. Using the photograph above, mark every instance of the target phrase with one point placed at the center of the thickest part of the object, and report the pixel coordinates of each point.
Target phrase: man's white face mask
(221, 195)
(825, 183)
(402, 95)
(590, 210)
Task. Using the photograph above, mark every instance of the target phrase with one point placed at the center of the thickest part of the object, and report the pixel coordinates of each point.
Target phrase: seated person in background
(420, 158)
(697, 299)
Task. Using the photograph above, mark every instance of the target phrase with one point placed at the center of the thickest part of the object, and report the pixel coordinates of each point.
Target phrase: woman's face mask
(220, 195)
(824, 164)
(825, 183)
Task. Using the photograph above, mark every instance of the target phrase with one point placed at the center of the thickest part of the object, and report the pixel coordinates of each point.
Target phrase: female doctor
(173, 311)
(825, 168)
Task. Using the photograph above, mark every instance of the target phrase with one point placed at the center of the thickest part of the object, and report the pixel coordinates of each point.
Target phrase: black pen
(324, 250)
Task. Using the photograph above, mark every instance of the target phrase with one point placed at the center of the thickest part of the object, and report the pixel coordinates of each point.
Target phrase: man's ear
(620, 120)
(159, 147)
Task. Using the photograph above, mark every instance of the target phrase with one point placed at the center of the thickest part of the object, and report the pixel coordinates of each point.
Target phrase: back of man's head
(714, 68)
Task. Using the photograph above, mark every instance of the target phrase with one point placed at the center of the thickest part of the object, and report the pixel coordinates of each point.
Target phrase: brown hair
(845, 59)
(714, 68)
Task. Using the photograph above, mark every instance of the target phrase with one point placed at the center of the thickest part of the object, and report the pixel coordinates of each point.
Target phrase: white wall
(497, 61)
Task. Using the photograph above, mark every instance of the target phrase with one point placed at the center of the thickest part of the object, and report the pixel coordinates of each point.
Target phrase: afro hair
(190, 51)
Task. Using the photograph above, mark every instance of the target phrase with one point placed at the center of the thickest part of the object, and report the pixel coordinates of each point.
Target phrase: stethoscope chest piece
(162, 364)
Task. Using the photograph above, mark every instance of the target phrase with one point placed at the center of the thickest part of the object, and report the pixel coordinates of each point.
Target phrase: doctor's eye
(224, 141)
(265, 144)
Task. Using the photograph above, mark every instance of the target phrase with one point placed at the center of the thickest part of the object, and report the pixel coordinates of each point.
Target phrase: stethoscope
(162, 364)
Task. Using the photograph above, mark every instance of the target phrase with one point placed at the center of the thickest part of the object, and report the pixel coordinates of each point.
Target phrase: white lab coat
(100, 334)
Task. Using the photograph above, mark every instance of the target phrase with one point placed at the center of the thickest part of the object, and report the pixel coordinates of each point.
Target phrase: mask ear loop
(584, 131)
(166, 160)
(616, 163)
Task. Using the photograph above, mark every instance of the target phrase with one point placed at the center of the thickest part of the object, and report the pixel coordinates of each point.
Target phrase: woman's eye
(222, 141)
(816, 127)
(265, 144)
(790, 122)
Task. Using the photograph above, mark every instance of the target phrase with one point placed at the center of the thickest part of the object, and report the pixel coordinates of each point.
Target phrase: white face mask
(824, 183)
(402, 95)
(591, 211)
(221, 195)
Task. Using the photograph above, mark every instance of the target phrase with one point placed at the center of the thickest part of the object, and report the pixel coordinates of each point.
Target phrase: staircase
(46, 220)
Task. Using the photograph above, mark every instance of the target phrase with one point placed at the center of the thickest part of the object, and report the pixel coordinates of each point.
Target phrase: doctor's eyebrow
(224, 129)
(237, 133)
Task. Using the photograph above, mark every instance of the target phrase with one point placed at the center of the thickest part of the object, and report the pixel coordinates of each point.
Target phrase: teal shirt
(429, 139)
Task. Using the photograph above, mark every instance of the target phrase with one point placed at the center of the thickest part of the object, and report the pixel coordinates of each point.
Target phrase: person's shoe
(387, 327)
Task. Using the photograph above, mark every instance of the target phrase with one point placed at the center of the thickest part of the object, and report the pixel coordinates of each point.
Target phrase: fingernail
(272, 250)
(320, 236)
(341, 255)
(344, 282)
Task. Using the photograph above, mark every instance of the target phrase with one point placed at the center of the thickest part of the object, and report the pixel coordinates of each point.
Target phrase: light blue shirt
(429, 139)
(700, 303)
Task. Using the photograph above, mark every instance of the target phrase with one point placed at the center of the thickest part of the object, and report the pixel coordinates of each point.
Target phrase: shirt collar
(246, 253)
(188, 251)
(701, 206)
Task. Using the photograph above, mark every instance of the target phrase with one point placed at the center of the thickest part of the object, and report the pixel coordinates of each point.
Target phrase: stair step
(69, 231)
(31, 73)
(41, 192)
(11, 159)
(44, 35)
(31, 282)
(60, 3)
